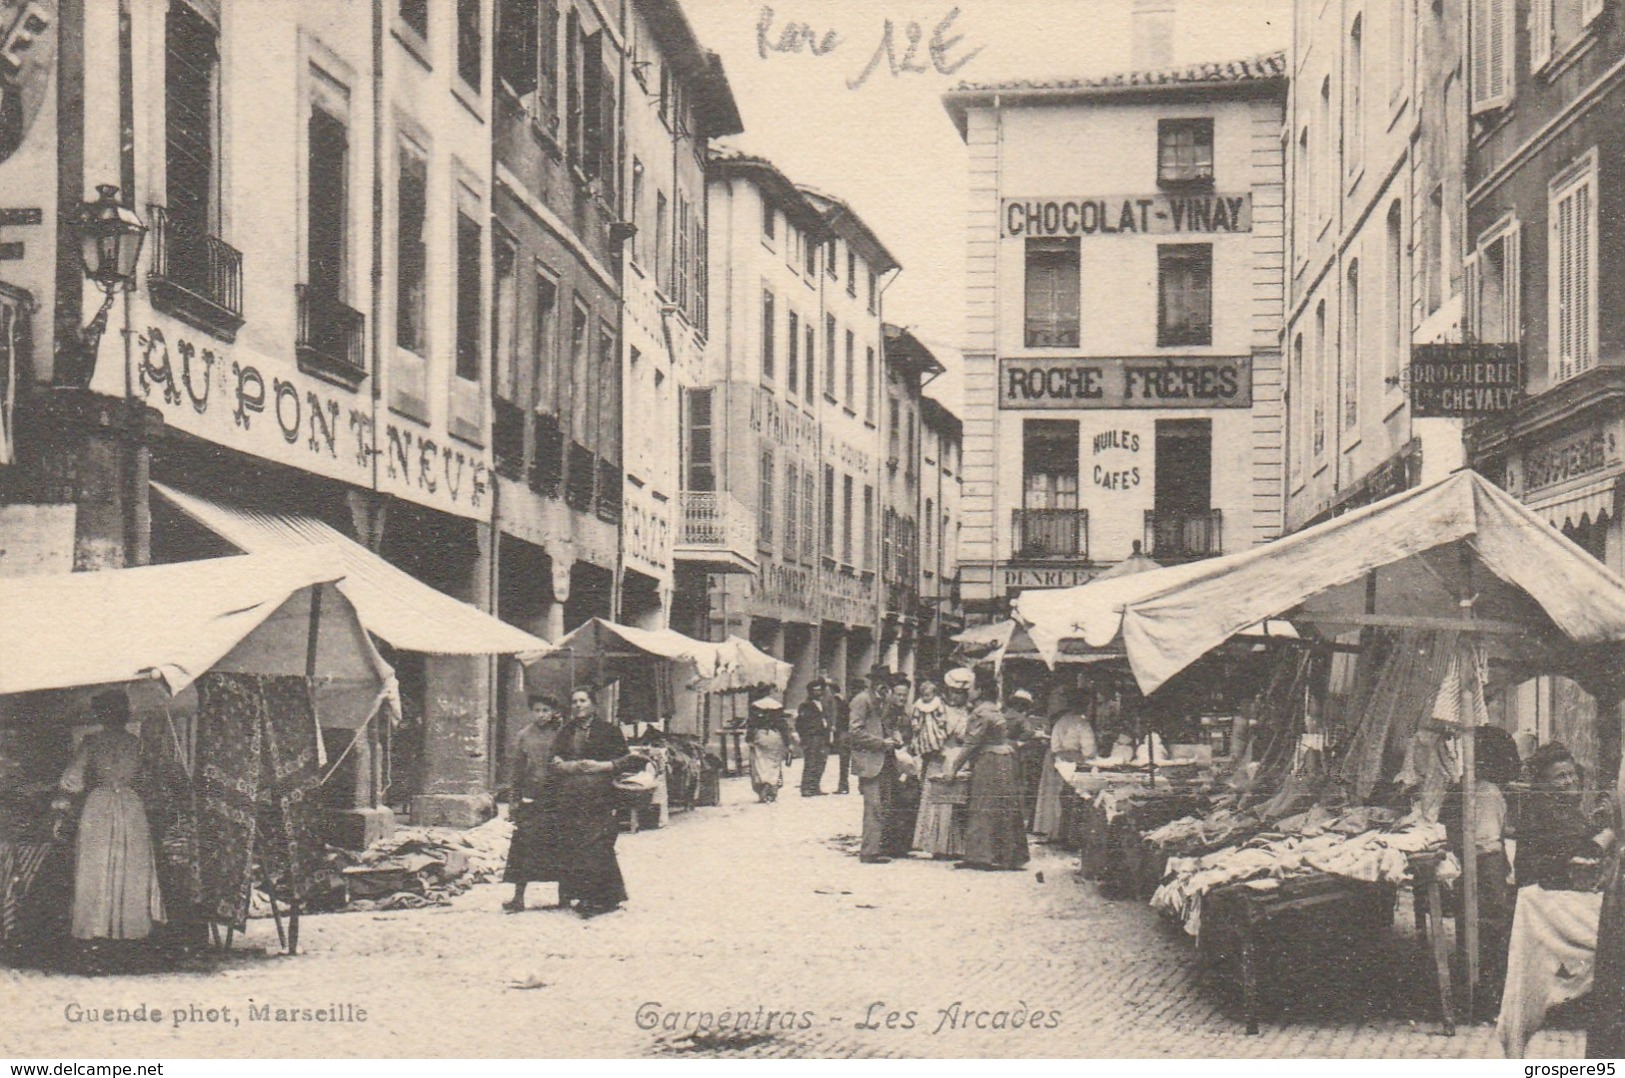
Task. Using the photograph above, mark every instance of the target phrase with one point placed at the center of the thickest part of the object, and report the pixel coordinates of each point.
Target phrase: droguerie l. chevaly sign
(1161, 214)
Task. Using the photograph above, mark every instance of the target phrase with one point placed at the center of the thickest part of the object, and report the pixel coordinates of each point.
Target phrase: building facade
(940, 615)
(1122, 370)
(1376, 145)
(909, 365)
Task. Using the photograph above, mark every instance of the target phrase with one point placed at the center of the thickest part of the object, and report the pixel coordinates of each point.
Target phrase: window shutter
(1490, 50)
(1512, 287)
(1540, 34)
(1469, 286)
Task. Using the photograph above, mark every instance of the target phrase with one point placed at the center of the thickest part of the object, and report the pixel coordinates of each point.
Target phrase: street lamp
(110, 239)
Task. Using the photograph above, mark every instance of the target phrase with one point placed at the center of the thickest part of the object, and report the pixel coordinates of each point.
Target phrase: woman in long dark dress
(587, 756)
(533, 855)
(996, 831)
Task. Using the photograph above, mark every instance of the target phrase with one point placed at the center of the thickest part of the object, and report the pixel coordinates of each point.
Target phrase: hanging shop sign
(1465, 380)
(1144, 215)
(1148, 382)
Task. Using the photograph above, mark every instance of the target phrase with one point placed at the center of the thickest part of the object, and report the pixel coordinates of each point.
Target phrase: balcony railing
(332, 338)
(1051, 533)
(716, 528)
(196, 276)
(1184, 534)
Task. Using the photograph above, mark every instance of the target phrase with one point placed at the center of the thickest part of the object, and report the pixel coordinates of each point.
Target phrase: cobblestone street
(759, 909)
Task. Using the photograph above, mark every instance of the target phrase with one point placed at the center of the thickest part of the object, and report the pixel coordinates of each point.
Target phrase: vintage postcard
(810, 529)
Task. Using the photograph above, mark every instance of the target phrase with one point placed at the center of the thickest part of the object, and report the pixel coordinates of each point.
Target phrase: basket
(946, 791)
(636, 790)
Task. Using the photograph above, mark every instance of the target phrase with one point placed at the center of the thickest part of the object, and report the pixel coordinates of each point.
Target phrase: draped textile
(289, 772)
(1550, 960)
(1405, 684)
(20, 865)
(230, 740)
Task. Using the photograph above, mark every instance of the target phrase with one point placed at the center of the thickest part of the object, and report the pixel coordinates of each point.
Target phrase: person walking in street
(995, 837)
(905, 806)
(587, 755)
(1071, 740)
(533, 854)
(874, 744)
(940, 829)
(770, 747)
(843, 726)
(814, 725)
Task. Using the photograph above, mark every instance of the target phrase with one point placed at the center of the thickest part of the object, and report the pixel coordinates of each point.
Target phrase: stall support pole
(310, 676)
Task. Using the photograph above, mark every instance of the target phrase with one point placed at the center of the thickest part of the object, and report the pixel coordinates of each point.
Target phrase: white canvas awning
(173, 623)
(392, 603)
(1409, 557)
(1590, 502)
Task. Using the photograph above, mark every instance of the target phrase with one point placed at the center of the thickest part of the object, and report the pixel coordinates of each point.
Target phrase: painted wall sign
(1144, 215)
(300, 421)
(783, 591)
(845, 598)
(783, 423)
(1148, 382)
(647, 532)
(31, 215)
(1465, 380)
(1580, 455)
(1020, 579)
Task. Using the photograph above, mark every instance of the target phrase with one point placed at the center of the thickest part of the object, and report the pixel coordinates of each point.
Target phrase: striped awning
(1593, 501)
(392, 604)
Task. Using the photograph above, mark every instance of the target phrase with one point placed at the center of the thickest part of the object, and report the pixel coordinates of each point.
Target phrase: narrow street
(759, 909)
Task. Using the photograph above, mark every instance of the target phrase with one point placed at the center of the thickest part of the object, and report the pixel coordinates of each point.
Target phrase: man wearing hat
(814, 723)
(874, 742)
(533, 854)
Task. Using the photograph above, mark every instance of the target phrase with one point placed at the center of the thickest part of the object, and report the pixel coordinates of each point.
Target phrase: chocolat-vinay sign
(1143, 382)
(1107, 215)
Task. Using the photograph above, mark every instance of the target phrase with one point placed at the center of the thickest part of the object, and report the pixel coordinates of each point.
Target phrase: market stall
(1419, 606)
(231, 667)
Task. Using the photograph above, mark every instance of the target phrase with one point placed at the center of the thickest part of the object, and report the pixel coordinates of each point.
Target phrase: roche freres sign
(1143, 382)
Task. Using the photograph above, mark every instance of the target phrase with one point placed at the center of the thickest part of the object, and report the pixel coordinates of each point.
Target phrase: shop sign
(782, 423)
(299, 421)
(647, 532)
(1465, 380)
(1023, 579)
(781, 590)
(1149, 382)
(853, 460)
(1575, 457)
(846, 598)
(1149, 215)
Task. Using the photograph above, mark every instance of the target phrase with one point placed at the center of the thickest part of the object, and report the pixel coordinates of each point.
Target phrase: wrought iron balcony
(1050, 534)
(716, 533)
(1183, 534)
(331, 338)
(195, 276)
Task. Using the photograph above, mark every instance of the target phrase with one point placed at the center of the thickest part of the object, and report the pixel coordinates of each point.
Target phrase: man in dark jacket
(814, 724)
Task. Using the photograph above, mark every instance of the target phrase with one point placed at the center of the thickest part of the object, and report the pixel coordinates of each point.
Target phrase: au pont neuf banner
(1465, 380)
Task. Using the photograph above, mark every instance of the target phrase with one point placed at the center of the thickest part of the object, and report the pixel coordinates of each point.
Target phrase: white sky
(889, 149)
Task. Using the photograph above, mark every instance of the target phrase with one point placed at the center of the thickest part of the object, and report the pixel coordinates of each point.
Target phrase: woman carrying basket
(940, 831)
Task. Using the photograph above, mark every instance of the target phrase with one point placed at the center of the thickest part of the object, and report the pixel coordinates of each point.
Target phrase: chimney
(1153, 34)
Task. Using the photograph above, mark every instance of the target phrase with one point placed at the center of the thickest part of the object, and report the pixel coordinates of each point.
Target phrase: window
(851, 387)
(191, 213)
(868, 563)
(1303, 184)
(515, 63)
(874, 294)
(575, 45)
(662, 258)
(1325, 176)
(1297, 391)
(580, 382)
(635, 244)
(702, 301)
(894, 431)
(769, 219)
(1353, 99)
(468, 297)
(504, 316)
(547, 65)
(1052, 292)
(609, 403)
(411, 250)
(545, 369)
(812, 338)
(599, 120)
(1050, 523)
(679, 262)
(415, 14)
(1572, 270)
(1184, 294)
(1322, 356)
(929, 531)
(846, 520)
(468, 42)
(851, 271)
(1490, 53)
(792, 518)
(1185, 152)
(809, 512)
(829, 511)
(829, 260)
(1396, 50)
(700, 456)
(1493, 309)
(829, 356)
(1351, 349)
(764, 502)
(792, 353)
(1398, 325)
(792, 242)
(809, 255)
(327, 180)
(767, 336)
(869, 384)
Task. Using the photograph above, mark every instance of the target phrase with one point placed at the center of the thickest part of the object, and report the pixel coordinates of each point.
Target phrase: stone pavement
(758, 910)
